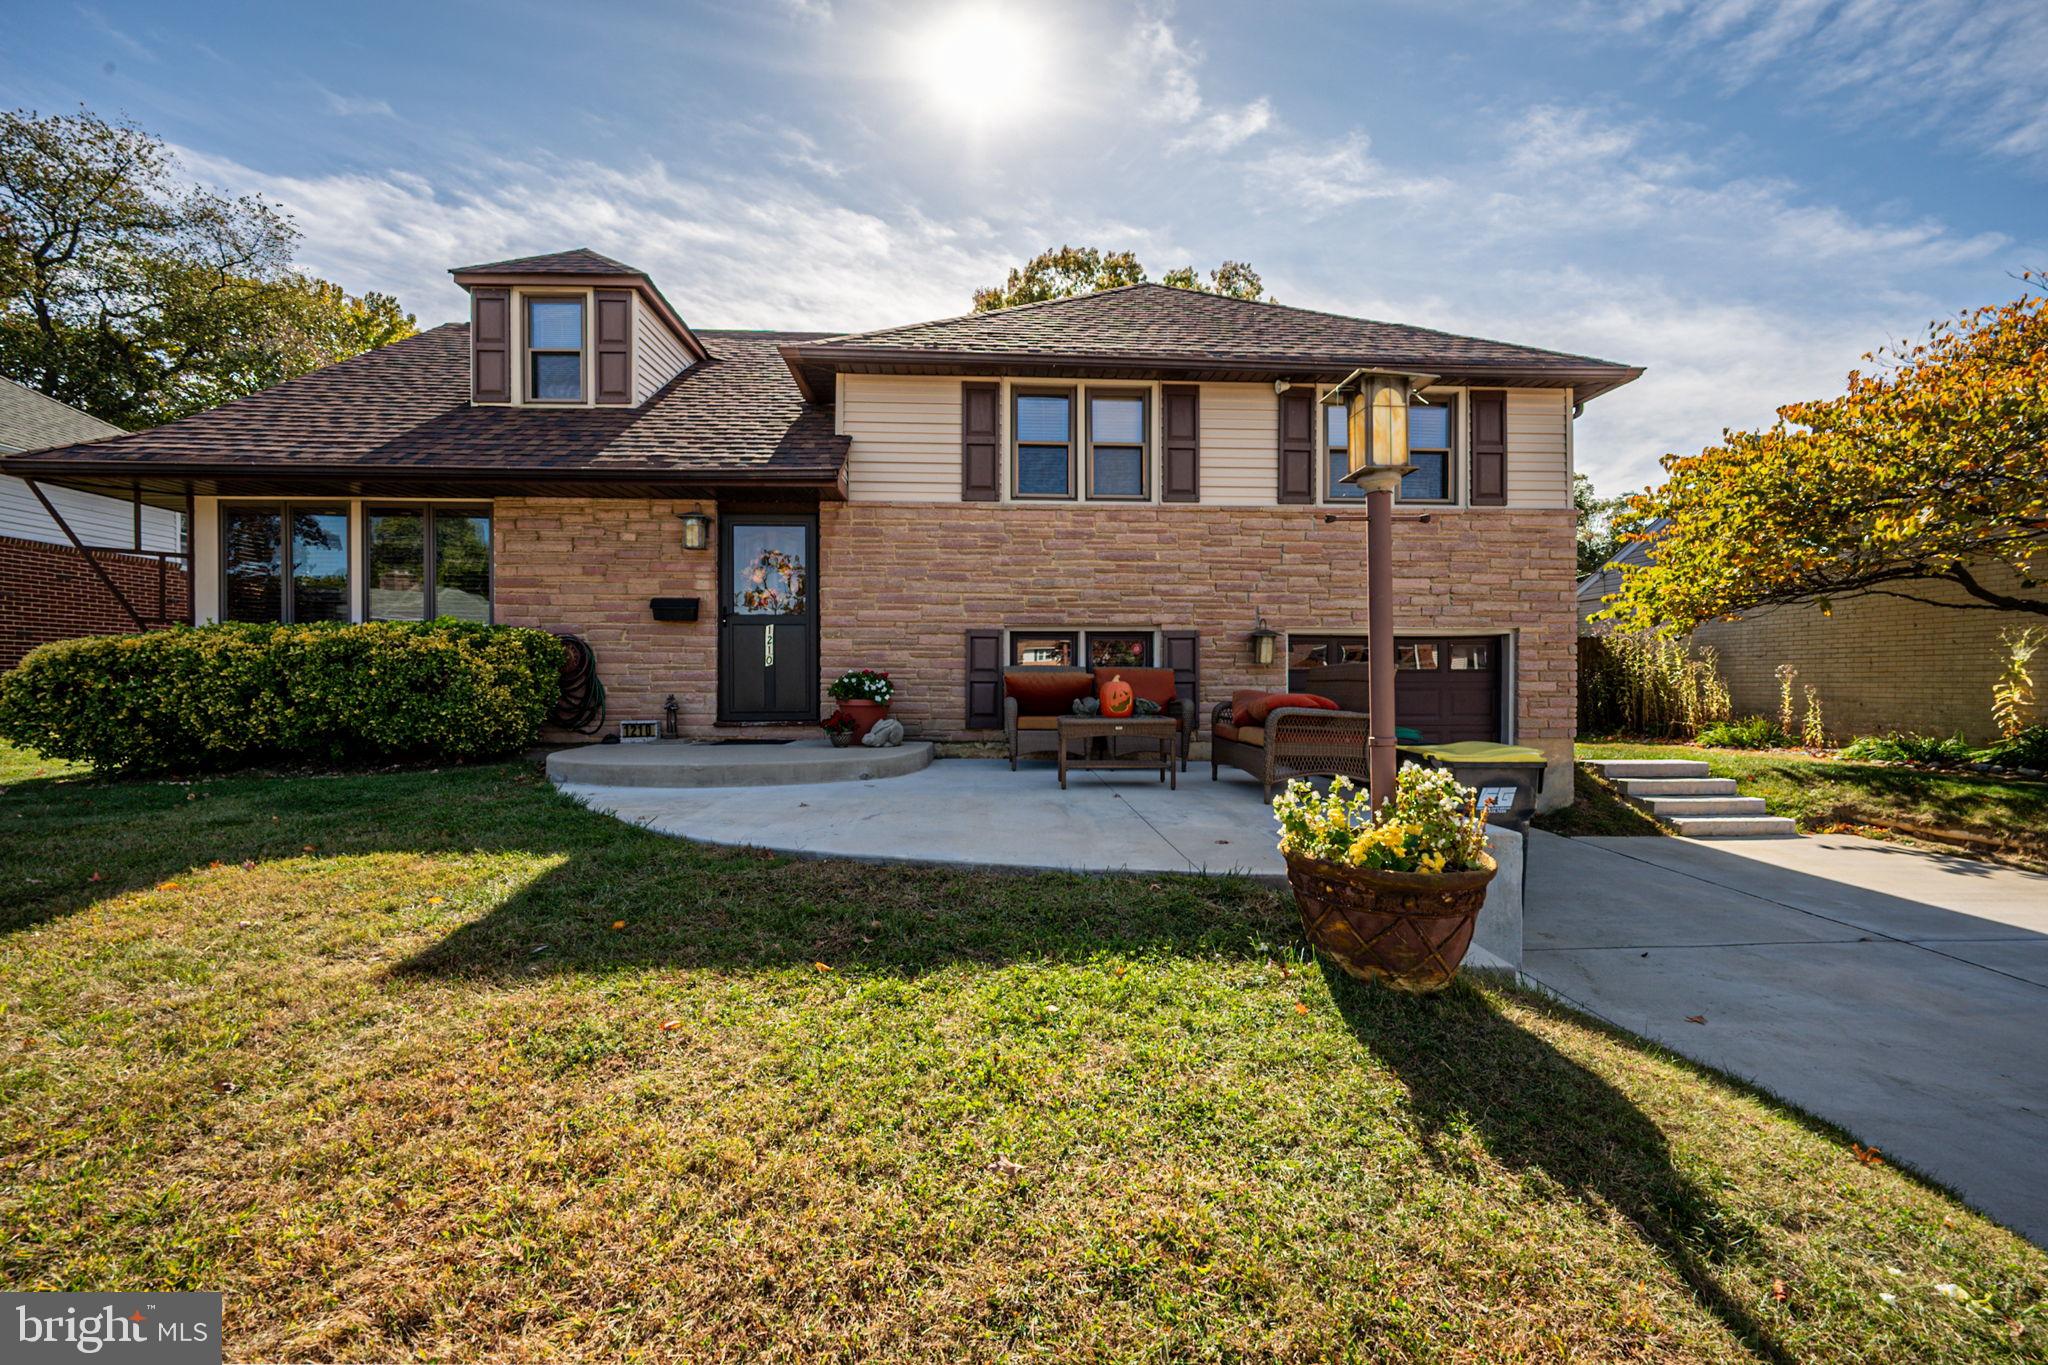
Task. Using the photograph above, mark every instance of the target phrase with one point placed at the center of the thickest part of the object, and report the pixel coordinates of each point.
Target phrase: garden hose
(581, 706)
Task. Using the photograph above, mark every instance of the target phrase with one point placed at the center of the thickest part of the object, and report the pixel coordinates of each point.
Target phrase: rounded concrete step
(1732, 826)
(1665, 807)
(1648, 767)
(1676, 786)
(678, 763)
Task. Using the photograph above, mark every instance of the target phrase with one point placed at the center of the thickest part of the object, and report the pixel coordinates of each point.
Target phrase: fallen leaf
(248, 864)
(1867, 1155)
(226, 1087)
(618, 924)
(308, 848)
(1300, 1008)
(214, 863)
(671, 1025)
(1695, 1018)
(437, 900)
(1002, 1165)
(820, 967)
(94, 877)
(167, 886)
(1779, 1292)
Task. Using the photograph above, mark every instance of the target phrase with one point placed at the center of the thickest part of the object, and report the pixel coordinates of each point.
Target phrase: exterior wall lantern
(696, 530)
(1265, 641)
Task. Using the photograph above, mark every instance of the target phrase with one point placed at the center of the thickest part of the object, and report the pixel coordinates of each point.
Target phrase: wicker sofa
(1293, 741)
(1035, 698)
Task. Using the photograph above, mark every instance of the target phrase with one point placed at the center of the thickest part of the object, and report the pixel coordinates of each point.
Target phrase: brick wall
(901, 584)
(1881, 663)
(48, 592)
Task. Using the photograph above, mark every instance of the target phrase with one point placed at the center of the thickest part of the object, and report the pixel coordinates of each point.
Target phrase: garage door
(1447, 689)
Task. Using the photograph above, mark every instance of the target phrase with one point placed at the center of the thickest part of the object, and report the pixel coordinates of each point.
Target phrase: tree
(1071, 270)
(1598, 542)
(138, 297)
(1924, 471)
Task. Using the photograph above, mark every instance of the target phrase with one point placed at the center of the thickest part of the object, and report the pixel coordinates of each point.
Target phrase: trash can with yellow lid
(1510, 775)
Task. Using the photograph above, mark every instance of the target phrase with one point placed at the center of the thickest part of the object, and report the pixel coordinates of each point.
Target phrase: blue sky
(1742, 195)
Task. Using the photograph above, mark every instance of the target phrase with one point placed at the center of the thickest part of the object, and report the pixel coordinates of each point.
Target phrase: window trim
(284, 507)
(1072, 394)
(430, 548)
(1143, 397)
(1325, 450)
(1454, 400)
(527, 350)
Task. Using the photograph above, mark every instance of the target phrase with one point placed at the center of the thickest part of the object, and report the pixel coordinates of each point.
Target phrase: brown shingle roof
(405, 408)
(1153, 324)
(581, 261)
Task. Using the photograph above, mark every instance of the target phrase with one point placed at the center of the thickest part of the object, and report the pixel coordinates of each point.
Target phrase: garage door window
(1413, 657)
(1471, 656)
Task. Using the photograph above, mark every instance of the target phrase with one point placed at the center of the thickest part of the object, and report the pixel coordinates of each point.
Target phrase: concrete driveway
(1901, 995)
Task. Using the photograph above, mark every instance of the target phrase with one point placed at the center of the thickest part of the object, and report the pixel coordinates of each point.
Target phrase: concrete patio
(978, 813)
(1897, 993)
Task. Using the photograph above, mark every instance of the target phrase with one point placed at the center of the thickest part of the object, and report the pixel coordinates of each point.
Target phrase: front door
(768, 618)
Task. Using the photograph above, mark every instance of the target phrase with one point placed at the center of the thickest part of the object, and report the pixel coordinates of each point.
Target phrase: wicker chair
(1295, 741)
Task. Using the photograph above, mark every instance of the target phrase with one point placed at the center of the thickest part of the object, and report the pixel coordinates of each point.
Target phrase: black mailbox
(674, 608)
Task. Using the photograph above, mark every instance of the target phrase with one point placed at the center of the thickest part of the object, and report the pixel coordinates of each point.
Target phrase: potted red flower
(863, 695)
(839, 728)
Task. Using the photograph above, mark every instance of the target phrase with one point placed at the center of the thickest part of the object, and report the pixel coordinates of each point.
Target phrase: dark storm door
(768, 618)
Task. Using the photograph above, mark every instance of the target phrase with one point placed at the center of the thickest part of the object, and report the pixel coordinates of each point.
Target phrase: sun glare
(979, 64)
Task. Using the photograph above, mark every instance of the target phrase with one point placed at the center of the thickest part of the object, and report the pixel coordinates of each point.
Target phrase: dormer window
(554, 349)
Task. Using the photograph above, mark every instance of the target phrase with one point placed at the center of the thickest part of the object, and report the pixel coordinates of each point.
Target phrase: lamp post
(1376, 409)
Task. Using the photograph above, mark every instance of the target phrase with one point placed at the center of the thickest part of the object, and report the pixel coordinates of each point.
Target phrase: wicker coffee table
(1163, 729)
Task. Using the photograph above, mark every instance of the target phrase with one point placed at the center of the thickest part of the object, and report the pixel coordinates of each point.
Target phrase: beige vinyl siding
(906, 437)
(1539, 458)
(1240, 444)
(657, 356)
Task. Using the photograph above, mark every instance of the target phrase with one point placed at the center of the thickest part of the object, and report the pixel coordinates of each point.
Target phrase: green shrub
(1751, 732)
(1901, 747)
(1647, 685)
(2027, 749)
(224, 696)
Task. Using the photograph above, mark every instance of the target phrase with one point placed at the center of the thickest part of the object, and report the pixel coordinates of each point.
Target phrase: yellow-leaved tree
(1933, 465)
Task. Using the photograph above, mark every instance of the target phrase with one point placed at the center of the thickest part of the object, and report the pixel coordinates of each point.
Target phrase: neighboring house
(1137, 476)
(1879, 662)
(47, 591)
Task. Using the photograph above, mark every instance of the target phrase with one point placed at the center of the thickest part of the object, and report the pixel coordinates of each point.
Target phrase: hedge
(225, 696)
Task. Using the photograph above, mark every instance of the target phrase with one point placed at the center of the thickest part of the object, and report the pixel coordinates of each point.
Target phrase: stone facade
(51, 593)
(1880, 663)
(900, 584)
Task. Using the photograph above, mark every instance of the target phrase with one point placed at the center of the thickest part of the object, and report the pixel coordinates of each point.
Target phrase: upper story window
(1429, 449)
(1337, 437)
(1116, 446)
(554, 350)
(1044, 427)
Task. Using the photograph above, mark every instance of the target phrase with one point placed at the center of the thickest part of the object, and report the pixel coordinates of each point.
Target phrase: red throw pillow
(1047, 691)
(1256, 713)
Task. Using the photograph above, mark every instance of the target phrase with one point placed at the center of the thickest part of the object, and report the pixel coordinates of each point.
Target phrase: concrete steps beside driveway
(1681, 793)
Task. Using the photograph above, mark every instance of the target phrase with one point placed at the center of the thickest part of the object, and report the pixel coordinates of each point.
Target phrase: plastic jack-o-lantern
(1116, 697)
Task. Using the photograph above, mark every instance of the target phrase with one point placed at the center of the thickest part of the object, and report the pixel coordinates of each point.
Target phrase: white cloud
(121, 38)
(1226, 128)
(1165, 69)
(1320, 179)
(1972, 71)
(356, 106)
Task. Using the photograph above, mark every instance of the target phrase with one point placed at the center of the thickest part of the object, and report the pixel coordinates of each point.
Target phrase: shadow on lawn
(1468, 1068)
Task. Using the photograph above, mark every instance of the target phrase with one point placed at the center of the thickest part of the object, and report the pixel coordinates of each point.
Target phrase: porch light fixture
(696, 530)
(1376, 411)
(1265, 641)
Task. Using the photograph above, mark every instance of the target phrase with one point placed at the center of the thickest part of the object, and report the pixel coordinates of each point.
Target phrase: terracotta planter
(864, 715)
(1406, 930)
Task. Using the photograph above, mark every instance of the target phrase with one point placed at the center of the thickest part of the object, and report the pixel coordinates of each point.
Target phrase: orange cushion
(1147, 684)
(1255, 713)
(1047, 691)
(1038, 722)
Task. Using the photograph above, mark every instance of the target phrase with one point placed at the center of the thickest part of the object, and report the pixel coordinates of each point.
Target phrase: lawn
(1819, 792)
(437, 1064)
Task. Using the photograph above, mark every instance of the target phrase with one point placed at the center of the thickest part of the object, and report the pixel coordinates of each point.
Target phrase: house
(1140, 476)
(47, 589)
(1595, 588)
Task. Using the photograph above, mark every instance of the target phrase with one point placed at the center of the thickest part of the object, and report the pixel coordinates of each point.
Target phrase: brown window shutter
(985, 679)
(981, 477)
(1489, 447)
(614, 345)
(1184, 657)
(490, 339)
(1181, 477)
(1298, 445)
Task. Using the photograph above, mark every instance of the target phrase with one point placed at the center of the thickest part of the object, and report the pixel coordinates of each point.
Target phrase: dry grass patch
(481, 1075)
